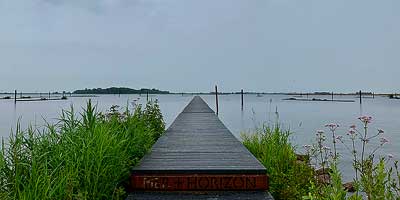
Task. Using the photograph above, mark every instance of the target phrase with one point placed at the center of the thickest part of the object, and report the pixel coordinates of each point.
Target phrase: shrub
(289, 178)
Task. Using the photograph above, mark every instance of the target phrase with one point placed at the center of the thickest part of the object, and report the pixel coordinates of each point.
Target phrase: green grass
(289, 179)
(79, 157)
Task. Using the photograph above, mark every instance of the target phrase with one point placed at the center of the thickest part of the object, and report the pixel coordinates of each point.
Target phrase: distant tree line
(120, 90)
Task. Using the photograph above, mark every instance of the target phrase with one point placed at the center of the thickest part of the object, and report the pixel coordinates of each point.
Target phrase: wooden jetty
(199, 154)
(41, 99)
(314, 99)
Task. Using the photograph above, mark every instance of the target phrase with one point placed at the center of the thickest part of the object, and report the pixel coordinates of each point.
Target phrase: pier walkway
(199, 158)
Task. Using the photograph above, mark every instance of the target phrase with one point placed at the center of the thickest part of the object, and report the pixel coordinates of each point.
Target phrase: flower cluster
(332, 126)
(365, 119)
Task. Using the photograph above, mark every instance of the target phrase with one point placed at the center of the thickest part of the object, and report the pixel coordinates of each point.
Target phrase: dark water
(302, 118)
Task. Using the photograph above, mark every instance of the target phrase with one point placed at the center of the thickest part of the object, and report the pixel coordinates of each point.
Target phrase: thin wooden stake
(216, 98)
(241, 92)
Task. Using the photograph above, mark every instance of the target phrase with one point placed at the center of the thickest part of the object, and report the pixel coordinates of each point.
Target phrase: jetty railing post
(241, 92)
(15, 97)
(216, 98)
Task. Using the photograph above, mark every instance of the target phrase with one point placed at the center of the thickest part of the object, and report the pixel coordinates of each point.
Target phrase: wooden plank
(200, 195)
(203, 182)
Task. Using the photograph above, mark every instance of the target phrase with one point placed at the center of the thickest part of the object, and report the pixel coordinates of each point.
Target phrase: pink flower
(332, 126)
(339, 137)
(352, 133)
(384, 140)
(380, 131)
(365, 119)
(390, 155)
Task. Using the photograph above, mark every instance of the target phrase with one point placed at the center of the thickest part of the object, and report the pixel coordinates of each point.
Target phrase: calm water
(302, 118)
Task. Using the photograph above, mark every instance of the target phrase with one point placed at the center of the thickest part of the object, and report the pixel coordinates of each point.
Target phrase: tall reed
(79, 157)
(289, 179)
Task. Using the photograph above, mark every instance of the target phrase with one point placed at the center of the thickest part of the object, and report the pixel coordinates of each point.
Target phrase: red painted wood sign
(199, 182)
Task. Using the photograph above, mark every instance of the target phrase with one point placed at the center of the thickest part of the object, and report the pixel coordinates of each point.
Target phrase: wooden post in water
(49, 95)
(332, 96)
(373, 95)
(20, 95)
(15, 97)
(241, 92)
(147, 95)
(216, 97)
(360, 97)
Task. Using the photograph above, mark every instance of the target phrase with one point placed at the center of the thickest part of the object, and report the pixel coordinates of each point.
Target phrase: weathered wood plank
(208, 195)
(203, 182)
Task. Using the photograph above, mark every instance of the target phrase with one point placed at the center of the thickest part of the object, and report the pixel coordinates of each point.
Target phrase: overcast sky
(191, 45)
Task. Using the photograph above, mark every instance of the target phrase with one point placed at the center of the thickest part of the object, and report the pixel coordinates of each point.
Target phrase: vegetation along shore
(86, 156)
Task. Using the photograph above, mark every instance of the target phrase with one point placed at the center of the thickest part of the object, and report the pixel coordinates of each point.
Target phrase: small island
(120, 90)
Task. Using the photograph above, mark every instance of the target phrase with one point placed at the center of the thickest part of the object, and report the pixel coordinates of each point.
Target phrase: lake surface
(302, 118)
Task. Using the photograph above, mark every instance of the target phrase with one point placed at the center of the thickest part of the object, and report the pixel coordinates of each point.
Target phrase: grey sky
(190, 45)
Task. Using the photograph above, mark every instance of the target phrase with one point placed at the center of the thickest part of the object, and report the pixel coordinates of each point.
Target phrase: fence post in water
(241, 92)
(15, 97)
(216, 97)
(360, 97)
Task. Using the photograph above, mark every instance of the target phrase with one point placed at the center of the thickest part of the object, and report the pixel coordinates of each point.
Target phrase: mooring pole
(49, 95)
(20, 95)
(216, 97)
(360, 97)
(15, 97)
(147, 95)
(332, 96)
(241, 92)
